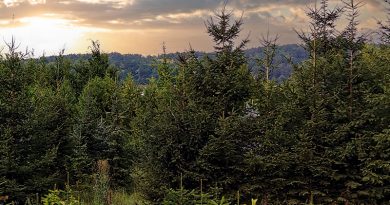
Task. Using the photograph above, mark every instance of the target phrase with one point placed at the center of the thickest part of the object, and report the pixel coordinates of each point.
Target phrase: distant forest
(142, 68)
(272, 125)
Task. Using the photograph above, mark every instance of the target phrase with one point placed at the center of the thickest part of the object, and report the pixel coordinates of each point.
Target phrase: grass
(122, 198)
(119, 197)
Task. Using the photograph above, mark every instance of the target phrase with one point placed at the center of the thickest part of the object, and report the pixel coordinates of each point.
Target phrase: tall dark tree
(225, 84)
(223, 93)
(188, 103)
(93, 128)
(35, 124)
(97, 65)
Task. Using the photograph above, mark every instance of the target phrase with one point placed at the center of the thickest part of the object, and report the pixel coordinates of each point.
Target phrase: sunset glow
(140, 26)
(45, 34)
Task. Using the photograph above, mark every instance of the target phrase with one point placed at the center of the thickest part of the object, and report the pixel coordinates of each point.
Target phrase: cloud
(13, 3)
(184, 17)
(143, 13)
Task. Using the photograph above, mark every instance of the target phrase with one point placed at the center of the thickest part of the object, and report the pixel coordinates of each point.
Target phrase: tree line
(142, 68)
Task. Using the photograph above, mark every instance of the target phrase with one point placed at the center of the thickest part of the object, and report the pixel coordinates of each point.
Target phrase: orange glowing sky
(141, 26)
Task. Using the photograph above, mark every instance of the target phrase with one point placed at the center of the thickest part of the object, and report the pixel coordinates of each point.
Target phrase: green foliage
(183, 196)
(184, 110)
(318, 137)
(35, 122)
(180, 196)
(222, 158)
(60, 197)
(123, 198)
(220, 202)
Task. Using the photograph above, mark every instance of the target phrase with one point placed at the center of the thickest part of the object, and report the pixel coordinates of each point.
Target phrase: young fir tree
(13, 106)
(96, 66)
(186, 106)
(334, 88)
(317, 83)
(223, 93)
(226, 85)
(267, 154)
(35, 125)
(102, 131)
(95, 102)
(371, 126)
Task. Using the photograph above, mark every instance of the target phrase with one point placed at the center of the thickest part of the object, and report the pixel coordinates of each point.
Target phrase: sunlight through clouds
(46, 35)
(11, 3)
(33, 2)
(72, 21)
(117, 3)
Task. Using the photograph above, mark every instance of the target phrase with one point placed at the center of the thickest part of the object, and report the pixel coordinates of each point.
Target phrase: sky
(142, 26)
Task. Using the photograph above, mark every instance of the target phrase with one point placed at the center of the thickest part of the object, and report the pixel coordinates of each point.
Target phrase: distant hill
(292, 51)
(141, 67)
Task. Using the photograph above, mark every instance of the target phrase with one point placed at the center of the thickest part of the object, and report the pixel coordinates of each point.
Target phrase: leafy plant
(60, 197)
(179, 197)
(223, 201)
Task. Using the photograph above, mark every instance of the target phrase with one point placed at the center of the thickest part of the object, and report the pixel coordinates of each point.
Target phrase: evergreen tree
(223, 91)
(15, 108)
(34, 126)
(93, 128)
